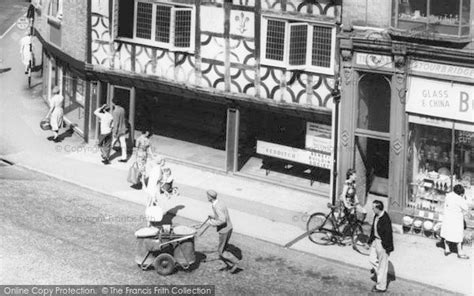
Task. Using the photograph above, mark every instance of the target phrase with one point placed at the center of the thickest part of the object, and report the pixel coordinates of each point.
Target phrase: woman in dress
(56, 113)
(349, 197)
(155, 175)
(452, 229)
(144, 151)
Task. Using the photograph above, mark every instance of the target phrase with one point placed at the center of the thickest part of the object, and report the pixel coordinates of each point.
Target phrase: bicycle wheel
(320, 229)
(359, 240)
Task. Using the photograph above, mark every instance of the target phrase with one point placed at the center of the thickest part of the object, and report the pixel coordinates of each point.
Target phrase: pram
(166, 247)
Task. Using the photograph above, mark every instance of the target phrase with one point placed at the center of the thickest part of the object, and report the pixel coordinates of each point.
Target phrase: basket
(45, 124)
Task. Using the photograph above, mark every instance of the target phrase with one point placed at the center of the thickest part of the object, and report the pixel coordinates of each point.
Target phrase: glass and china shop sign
(440, 99)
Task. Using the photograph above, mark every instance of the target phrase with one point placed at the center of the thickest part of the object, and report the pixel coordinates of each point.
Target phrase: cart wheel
(164, 264)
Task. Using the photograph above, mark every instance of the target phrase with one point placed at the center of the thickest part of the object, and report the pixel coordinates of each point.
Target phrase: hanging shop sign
(312, 158)
(318, 137)
(441, 69)
(440, 99)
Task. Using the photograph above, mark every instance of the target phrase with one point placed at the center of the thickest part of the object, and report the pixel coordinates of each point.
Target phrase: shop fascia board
(459, 56)
(126, 78)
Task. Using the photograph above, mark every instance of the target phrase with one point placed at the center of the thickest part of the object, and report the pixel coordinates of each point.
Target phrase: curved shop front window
(74, 99)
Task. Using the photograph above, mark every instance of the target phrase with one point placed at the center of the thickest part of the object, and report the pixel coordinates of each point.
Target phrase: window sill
(152, 44)
(54, 21)
(309, 69)
(427, 35)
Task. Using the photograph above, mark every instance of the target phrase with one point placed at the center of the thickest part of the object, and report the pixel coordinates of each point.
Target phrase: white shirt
(105, 122)
(376, 234)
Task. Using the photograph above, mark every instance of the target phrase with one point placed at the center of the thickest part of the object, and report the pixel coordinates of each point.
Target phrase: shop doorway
(371, 161)
(123, 97)
(372, 136)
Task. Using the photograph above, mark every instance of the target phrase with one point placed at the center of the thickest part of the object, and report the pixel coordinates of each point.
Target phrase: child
(167, 181)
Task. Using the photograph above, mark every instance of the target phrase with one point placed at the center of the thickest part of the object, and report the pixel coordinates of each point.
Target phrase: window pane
(322, 40)
(54, 7)
(182, 32)
(144, 11)
(125, 15)
(444, 16)
(464, 156)
(414, 10)
(275, 40)
(163, 19)
(465, 17)
(298, 44)
(412, 14)
(429, 166)
(444, 11)
(374, 103)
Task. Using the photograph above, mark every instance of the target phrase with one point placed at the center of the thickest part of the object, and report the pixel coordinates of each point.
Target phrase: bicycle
(338, 227)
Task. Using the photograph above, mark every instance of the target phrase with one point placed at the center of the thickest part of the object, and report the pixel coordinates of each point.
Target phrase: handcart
(166, 247)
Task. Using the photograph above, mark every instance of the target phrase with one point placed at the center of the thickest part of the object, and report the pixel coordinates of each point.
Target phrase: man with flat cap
(221, 221)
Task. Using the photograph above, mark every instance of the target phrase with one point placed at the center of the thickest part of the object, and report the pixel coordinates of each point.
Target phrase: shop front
(73, 87)
(183, 127)
(440, 147)
(287, 147)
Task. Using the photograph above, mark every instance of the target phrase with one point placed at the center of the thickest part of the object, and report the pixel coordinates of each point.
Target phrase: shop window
(449, 17)
(440, 155)
(38, 4)
(55, 12)
(374, 103)
(298, 45)
(157, 24)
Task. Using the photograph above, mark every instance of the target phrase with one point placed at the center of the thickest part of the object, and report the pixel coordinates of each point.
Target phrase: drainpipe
(336, 94)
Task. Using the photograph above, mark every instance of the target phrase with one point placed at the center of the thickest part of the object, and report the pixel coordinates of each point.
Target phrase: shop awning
(158, 84)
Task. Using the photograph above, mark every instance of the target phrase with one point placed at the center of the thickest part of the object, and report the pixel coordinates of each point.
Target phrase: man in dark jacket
(381, 245)
(119, 131)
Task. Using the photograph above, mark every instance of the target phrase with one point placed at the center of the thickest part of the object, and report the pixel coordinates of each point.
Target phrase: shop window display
(439, 157)
(450, 17)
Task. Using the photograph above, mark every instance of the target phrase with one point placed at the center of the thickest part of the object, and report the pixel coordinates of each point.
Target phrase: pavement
(269, 212)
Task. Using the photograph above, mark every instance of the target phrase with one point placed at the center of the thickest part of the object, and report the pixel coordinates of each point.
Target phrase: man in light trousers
(120, 128)
(381, 241)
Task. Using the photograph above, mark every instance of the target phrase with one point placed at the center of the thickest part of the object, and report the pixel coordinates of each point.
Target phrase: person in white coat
(26, 51)
(452, 229)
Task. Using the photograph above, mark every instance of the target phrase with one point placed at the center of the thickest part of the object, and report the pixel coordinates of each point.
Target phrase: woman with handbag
(56, 113)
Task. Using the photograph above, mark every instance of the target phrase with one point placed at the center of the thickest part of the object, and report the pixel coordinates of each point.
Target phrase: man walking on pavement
(381, 241)
(105, 138)
(221, 221)
(120, 129)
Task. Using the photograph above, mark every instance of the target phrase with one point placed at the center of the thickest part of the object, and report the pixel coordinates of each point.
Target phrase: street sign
(22, 23)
